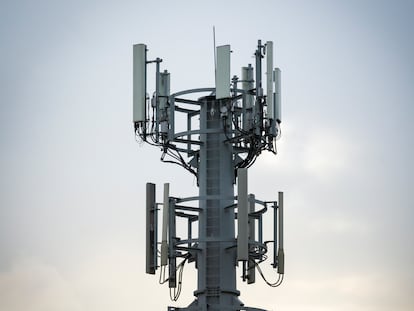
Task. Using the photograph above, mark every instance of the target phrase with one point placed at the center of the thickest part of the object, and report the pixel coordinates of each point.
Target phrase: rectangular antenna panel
(223, 72)
(172, 268)
(151, 226)
(278, 102)
(165, 220)
(242, 216)
(139, 81)
(281, 253)
(269, 79)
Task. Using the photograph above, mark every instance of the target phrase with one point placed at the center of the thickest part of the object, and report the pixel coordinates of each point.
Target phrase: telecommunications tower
(216, 134)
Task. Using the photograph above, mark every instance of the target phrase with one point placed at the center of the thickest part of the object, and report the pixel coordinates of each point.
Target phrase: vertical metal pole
(216, 262)
(281, 252)
(172, 280)
(165, 220)
(189, 231)
(258, 110)
(171, 118)
(274, 264)
(157, 100)
(242, 216)
(260, 229)
(259, 69)
(280, 204)
(251, 275)
(188, 136)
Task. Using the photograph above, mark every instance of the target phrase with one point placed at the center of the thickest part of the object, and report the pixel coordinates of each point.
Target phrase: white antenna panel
(165, 220)
(139, 81)
(269, 79)
(242, 216)
(223, 72)
(278, 103)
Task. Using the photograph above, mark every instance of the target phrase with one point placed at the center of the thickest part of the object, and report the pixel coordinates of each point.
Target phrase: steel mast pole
(217, 260)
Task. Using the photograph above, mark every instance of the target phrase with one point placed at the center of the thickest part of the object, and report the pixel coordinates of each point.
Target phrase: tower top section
(249, 106)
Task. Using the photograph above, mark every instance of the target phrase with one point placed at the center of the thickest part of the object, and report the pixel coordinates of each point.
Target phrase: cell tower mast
(237, 121)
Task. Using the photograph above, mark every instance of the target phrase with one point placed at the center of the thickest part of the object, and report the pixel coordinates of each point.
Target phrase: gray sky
(73, 178)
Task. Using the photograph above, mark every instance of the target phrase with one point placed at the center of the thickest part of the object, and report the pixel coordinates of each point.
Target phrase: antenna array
(237, 121)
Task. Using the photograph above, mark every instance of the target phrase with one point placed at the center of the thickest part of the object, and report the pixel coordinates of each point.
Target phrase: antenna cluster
(223, 131)
(251, 117)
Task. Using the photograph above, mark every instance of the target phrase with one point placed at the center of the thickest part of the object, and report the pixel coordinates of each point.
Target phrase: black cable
(162, 279)
(225, 129)
(275, 284)
(236, 126)
(176, 292)
(178, 157)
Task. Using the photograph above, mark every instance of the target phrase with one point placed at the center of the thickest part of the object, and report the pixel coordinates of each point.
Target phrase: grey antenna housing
(226, 127)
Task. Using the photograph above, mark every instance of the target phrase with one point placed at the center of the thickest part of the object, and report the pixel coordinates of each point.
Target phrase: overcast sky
(72, 177)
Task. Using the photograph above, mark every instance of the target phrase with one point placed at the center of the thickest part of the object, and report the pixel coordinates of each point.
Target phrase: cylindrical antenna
(165, 220)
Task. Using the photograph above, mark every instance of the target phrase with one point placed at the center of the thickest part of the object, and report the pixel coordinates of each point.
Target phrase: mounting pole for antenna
(215, 55)
(157, 99)
(258, 115)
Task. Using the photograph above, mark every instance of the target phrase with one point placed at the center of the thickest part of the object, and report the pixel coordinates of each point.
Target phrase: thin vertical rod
(251, 277)
(157, 103)
(281, 252)
(259, 68)
(171, 246)
(189, 231)
(165, 220)
(280, 220)
(274, 264)
(258, 111)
